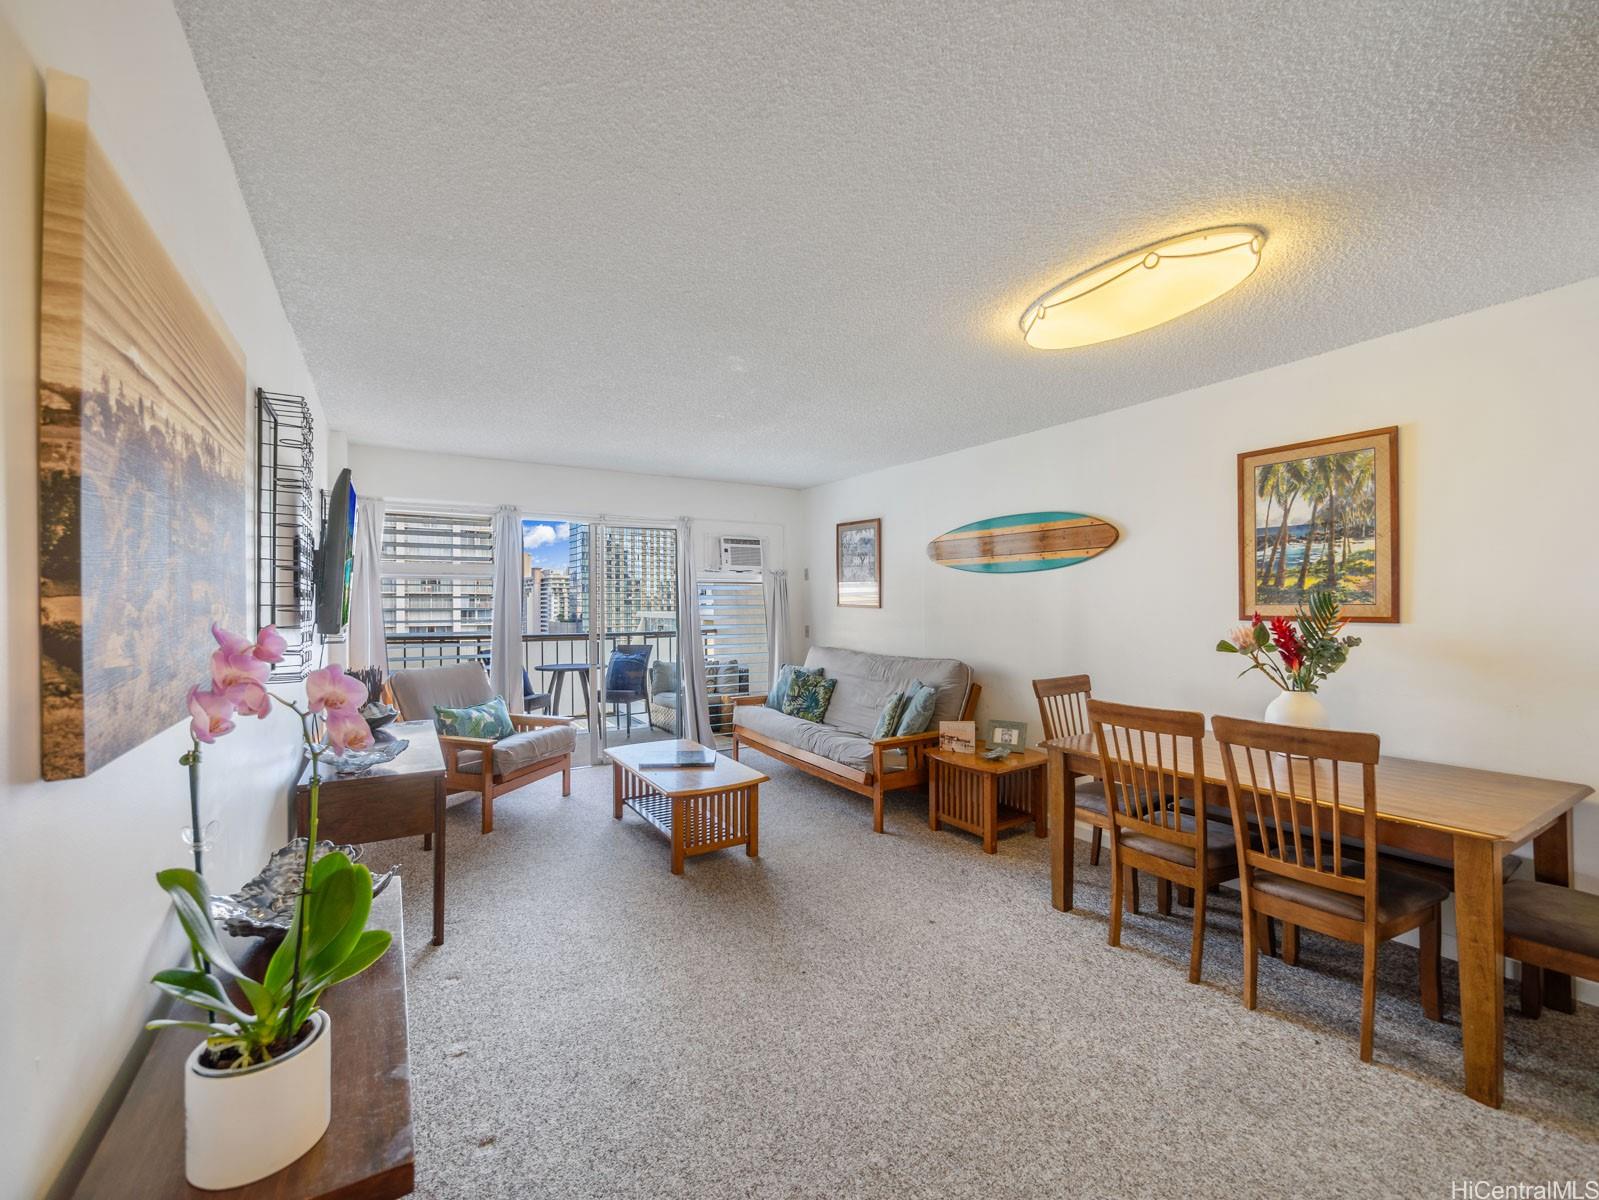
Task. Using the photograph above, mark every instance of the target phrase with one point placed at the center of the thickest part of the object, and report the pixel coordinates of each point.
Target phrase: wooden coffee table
(699, 809)
(983, 796)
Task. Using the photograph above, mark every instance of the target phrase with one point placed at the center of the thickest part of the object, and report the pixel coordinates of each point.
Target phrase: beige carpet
(902, 1015)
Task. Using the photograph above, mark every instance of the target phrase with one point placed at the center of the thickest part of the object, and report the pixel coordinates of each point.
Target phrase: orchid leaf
(203, 991)
(189, 901)
(214, 1029)
(336, 950)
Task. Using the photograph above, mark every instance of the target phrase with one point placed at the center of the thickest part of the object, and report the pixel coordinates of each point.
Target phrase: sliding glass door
(638, 672)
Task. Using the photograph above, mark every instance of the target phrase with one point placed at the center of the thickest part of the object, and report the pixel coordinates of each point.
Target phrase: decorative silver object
(264, 906)
(359, 762)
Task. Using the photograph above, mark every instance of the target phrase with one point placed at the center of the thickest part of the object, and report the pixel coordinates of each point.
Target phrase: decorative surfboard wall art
(1034, 541)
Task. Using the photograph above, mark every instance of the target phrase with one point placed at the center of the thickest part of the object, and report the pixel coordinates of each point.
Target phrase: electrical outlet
(807, 633)
(805, 575)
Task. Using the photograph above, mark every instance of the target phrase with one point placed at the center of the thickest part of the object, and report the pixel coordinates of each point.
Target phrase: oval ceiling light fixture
(1143, 289)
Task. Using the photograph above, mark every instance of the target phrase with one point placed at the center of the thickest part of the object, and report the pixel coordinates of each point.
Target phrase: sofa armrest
(929, 737)
(530, 721)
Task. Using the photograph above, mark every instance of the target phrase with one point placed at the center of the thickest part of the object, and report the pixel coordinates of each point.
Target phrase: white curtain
(695, 721)
(367, 647)
(505, 644)
(777, 620)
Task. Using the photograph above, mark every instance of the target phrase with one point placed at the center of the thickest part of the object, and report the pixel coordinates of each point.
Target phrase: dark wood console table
(366, 1153)
(402, 798)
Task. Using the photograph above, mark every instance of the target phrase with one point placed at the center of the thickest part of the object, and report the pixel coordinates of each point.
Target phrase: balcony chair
(663, 697)
(540, 746)
(625, 682)
(1289, 780)
(532, 702)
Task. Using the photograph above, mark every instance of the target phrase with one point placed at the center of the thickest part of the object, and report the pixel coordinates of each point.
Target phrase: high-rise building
(640, 574)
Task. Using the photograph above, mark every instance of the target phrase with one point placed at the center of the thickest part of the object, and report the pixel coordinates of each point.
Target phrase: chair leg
(427, 841)
(1093, 846)
(1368, 993)
(1531, 991)
(1431, 968)
(877, 813)
(1196, 955)
(566, 776)
(1130, 900)
(488, 810)
(1163, 896)
(1251, 956)
(1118, 883)
(1290, 945)
(1185, 897)
(1266, 934)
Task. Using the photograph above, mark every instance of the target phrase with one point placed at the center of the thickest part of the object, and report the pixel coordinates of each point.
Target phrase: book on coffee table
(701, 757)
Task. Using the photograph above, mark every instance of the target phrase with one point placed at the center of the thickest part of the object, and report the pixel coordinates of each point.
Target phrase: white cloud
(534, 536)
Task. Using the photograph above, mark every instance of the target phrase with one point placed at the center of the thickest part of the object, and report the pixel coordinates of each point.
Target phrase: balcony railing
(413, 651)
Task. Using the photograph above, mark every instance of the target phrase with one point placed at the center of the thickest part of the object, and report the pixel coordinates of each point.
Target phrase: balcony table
(561, 671)
(1470, 817)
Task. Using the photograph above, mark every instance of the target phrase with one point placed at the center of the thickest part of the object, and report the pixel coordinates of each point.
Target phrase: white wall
(84, 926)
(773, 513)
(1497, 661)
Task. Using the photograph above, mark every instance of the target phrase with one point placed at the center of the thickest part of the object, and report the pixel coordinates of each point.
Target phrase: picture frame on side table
(1010, 736)
(958, 737)
(860, 563)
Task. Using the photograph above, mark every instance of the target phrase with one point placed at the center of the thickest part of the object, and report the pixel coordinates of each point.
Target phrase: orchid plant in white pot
(257, 1093)
(1296, 654)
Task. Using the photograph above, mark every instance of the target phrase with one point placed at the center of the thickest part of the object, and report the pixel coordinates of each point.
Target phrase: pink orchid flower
(347, 730)
(270, 645)
(230, 642)
(250, 698)
(330, 689)
(210, 711)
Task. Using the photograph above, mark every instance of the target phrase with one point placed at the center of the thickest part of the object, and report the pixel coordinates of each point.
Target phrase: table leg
(1062, 830)
(438, 863)
(583, 678)
(679, 819)
(1480, 936)
(555, 693)
(1551, 862)
(1035, 793)
(616, 790)
(753, 848)
(990, 812)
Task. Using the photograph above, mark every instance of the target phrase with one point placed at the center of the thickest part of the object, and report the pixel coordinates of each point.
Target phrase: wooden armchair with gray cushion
(540, 746)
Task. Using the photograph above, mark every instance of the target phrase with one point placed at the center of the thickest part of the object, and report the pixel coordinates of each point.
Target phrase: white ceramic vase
(1297, 708)
(241, 1126)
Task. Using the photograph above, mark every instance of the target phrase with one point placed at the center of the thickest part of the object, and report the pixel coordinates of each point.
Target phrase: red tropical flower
(1288, 644)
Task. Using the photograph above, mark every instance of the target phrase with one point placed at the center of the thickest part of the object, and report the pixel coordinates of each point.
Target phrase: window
(733, 626)
(438, 586)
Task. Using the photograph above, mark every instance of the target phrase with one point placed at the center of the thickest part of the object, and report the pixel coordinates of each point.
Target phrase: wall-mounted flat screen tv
(335, 559)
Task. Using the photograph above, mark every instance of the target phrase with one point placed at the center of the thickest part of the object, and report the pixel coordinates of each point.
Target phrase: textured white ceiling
(789, 243)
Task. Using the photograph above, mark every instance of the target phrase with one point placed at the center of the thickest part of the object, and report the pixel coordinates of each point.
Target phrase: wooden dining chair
(1550, 927)
(1294, 785)
(1151, 758)
(1063, 712)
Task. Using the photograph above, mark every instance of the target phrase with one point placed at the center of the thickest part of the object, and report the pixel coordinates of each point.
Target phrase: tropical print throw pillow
(808, 697)
(491, 720)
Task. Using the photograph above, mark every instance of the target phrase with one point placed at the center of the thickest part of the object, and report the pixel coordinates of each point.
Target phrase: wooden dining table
(1468, 817)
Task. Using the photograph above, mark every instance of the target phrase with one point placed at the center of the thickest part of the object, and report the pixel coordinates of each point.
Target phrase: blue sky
(546, 542)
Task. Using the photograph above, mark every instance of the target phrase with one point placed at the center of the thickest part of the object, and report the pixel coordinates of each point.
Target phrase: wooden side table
(983, 796)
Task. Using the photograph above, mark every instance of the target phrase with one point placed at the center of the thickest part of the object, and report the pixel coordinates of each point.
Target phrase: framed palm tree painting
(1318, 516)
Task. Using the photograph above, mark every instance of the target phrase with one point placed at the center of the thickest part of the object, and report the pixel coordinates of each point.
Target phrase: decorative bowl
(378, 715)
(264, 906)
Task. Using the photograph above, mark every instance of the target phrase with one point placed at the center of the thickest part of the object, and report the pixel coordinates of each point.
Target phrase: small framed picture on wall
(860, 564)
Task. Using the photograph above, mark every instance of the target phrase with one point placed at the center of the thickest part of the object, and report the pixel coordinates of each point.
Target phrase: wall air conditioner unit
(742, 553)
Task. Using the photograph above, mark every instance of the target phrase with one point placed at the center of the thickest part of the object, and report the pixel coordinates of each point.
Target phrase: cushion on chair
(847, 749)
(489, 720)
(808, 697)
(1551, 915)
(521, 750)
(1399, 894)
(417, 693)
(1091, 798)
(1220, 849)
